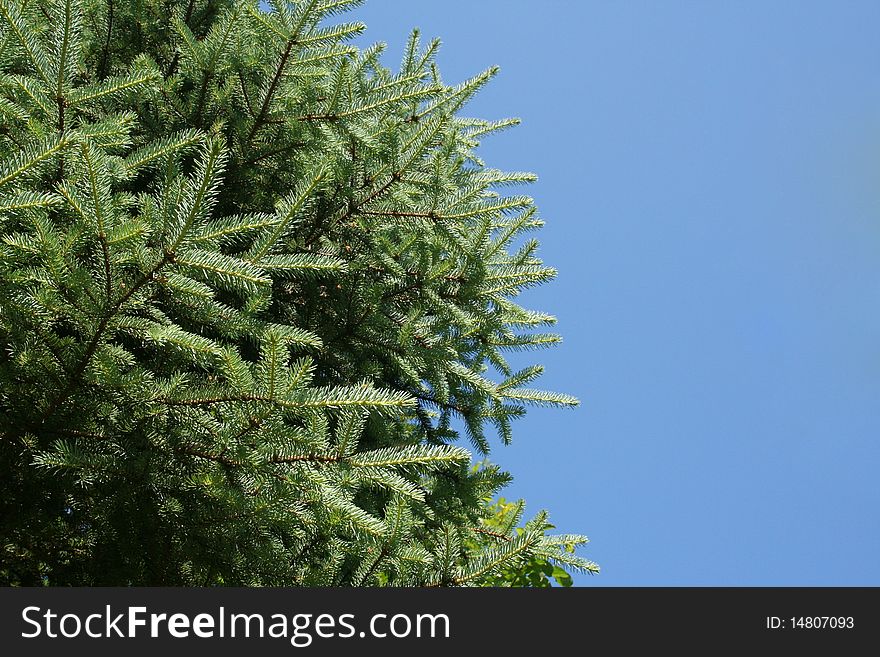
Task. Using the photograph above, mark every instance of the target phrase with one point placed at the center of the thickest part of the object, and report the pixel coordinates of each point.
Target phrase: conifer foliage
(253, 285)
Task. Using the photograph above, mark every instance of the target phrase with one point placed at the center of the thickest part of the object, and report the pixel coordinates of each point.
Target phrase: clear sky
(709, 177)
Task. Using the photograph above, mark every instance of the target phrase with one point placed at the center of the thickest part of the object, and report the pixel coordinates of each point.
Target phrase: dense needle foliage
(253, 285)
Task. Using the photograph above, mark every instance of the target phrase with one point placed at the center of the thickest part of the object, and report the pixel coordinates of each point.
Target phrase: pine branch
(396, 214)
(92, 346)
(487, 532)
(216, 458)
(307, 458)
(105, 51)
(31, 157)
(267, 99)
(19, 28)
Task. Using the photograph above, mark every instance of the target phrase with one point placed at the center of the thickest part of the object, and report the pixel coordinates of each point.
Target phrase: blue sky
(709, 178)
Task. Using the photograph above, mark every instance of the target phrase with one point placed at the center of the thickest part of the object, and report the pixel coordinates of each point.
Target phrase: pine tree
(253, 286)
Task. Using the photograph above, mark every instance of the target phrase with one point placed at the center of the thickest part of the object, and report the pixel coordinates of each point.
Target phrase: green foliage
(545, 566)
(251, 282)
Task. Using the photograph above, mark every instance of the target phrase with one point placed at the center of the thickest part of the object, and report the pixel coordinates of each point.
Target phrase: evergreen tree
(253, 286)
